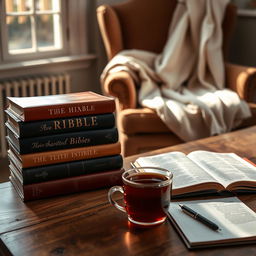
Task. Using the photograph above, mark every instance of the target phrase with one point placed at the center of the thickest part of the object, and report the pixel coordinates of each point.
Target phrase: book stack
(61, 144)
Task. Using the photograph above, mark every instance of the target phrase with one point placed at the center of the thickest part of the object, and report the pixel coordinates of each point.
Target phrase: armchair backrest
(143, 24)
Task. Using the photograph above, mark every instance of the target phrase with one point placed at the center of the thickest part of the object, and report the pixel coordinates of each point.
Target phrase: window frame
(7, 57)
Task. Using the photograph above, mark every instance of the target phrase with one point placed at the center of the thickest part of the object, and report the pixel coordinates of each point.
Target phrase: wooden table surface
(86, 224)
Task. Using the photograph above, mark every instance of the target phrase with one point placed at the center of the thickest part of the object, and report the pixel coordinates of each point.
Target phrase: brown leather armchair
(143, 24)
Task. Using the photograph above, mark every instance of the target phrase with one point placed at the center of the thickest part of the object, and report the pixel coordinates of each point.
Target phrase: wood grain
(104, 231)
(14, 214)
(86, 224)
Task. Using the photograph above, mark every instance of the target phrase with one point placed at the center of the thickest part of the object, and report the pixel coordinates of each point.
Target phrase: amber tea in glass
(147, 192)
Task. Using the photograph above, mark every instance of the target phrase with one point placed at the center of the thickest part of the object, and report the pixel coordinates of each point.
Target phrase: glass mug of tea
(147, 194)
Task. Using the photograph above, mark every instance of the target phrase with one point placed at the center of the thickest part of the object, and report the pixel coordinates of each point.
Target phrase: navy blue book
(65, 170)
(63, 140)
(61, 125)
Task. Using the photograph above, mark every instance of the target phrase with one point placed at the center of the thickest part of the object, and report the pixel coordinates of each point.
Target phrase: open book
(204, 172)
(236, 222)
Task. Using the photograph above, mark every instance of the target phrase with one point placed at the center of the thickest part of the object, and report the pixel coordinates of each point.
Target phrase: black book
(62, 141)
(65, 170)
(61, 125)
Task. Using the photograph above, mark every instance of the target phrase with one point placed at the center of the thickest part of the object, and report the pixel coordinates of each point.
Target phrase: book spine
(67, 140)
(69, 110)
(71, 185)
(69, 155)
(65, 170)
(55, 126)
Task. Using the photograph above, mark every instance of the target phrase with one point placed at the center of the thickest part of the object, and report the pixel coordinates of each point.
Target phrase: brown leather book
(60, 105)
(64, 155)
(67, 185)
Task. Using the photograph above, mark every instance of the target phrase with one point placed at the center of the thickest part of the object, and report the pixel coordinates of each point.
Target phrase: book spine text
(55, 126)
(76, 168)
(68, 110)
(69, 155)
(67, 140)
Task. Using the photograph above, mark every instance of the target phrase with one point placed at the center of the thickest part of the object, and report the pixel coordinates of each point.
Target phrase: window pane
(18, 5)
(19, 32)
(48, 30)
(42, 5)
(11, 5)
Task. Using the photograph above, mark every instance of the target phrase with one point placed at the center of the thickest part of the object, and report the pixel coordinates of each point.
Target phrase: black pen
(199, 217)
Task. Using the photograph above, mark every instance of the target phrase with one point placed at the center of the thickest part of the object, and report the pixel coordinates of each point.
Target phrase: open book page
(227, 168)
(185, 172)
(236, 221)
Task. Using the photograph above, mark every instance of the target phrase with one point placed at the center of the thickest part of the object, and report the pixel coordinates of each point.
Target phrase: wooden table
(86, 224)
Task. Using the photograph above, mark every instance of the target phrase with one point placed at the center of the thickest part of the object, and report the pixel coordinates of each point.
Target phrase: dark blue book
(65, 170)
(62, 141)
(56, 126)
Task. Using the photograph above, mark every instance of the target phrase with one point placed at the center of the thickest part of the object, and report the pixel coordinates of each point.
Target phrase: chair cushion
(143, 120)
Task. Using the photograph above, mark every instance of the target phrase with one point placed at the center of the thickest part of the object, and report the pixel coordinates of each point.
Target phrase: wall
(243, 46)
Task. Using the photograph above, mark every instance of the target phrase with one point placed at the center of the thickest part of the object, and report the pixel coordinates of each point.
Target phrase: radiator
(31, 86)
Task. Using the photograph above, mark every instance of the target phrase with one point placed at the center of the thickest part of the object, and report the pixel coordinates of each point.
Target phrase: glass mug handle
(112, 201)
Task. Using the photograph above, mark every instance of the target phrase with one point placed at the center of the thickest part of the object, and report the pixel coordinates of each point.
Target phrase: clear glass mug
(147, 195)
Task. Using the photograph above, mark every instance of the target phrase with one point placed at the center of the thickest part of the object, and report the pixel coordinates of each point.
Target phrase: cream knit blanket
(185, 84)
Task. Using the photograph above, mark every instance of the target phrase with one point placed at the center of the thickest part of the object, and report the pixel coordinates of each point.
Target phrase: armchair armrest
(122, 86)
(242, 79)
(110, 30)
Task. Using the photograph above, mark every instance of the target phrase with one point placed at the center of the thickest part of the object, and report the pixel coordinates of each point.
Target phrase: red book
(67, 185)
(60, 105)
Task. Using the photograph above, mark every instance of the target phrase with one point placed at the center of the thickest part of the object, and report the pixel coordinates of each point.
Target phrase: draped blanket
(185, 84)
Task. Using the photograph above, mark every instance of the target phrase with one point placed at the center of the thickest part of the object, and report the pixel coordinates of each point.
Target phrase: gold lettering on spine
(71, 123)
(57, 125)
(56, 111)
(82, 154)
(64, 156)
(64, 124)
(94, 121)
(39, 159)
(60, 156)
(86, 123)
(79, 140)
(44, 127)
(75, 122)
(79, 122)
(79, 109)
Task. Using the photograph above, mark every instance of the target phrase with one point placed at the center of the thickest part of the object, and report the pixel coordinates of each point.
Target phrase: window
(38, 36)
(33, 28)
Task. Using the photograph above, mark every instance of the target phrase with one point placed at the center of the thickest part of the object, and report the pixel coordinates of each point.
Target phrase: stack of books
(61, 144)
